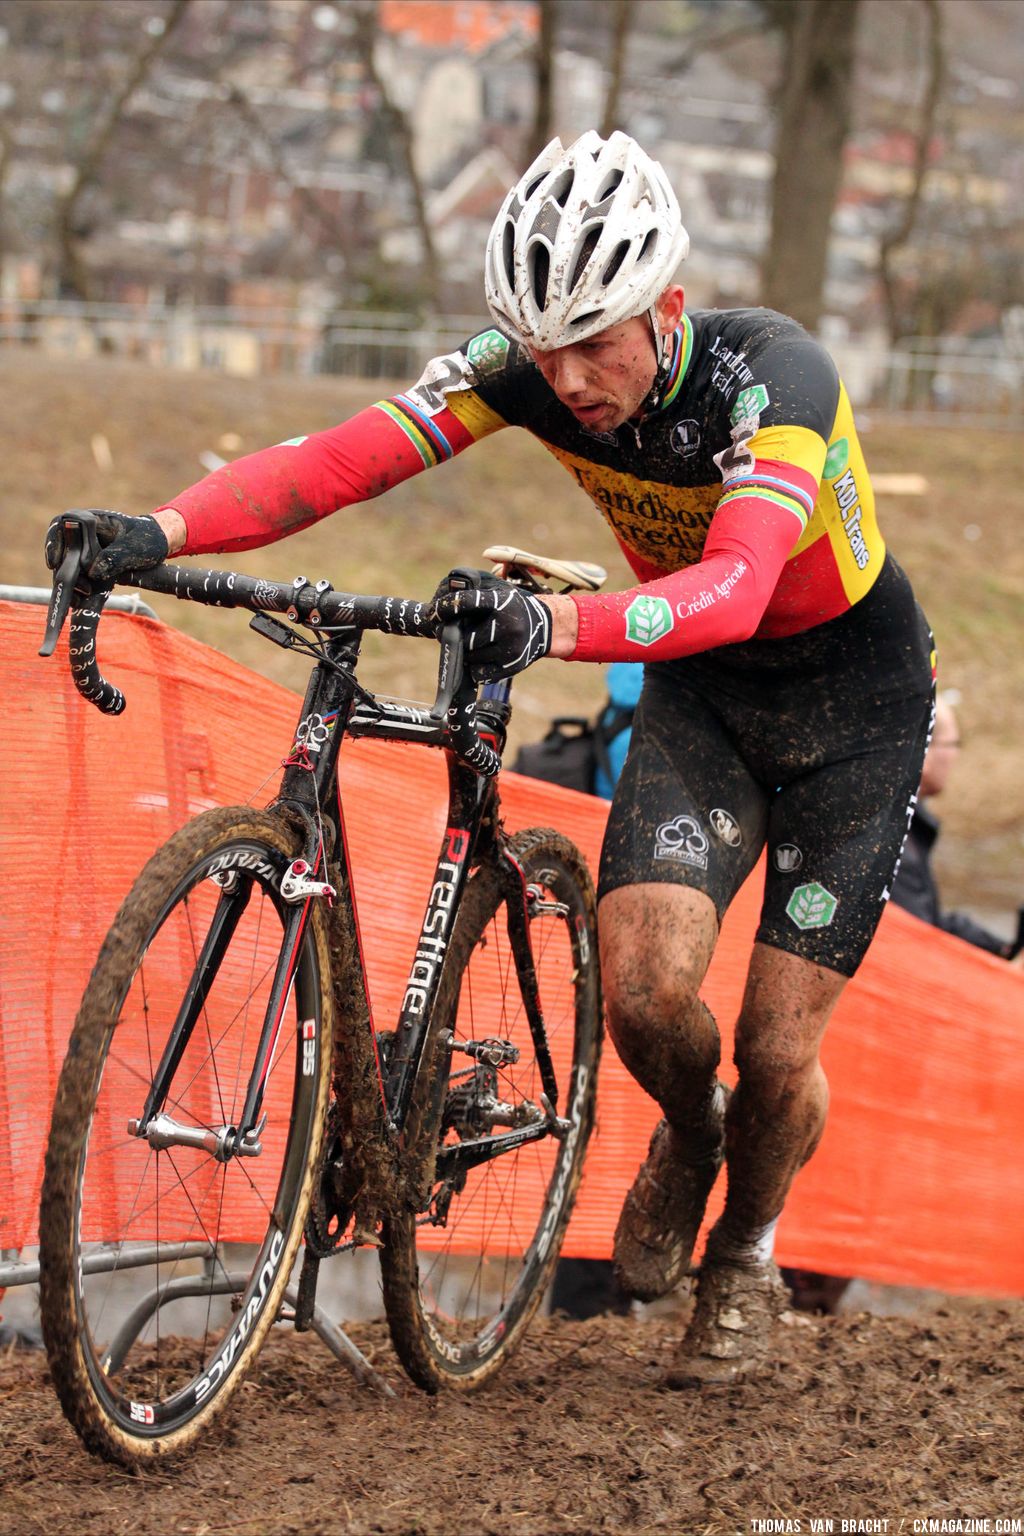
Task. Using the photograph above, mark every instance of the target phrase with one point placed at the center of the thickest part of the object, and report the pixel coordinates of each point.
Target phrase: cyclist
(788, 684)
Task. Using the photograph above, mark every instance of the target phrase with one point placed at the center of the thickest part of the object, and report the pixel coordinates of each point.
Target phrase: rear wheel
(464, 1273)
(165, 1255)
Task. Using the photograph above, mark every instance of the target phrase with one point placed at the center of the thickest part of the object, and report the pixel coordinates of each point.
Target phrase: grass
(115, 434)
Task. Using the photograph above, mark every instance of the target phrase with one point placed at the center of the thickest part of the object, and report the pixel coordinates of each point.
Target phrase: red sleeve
(265, 496)
(718, 601)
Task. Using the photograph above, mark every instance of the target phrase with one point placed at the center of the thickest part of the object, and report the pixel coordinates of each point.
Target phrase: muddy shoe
(730, 1332)
(661, 1217)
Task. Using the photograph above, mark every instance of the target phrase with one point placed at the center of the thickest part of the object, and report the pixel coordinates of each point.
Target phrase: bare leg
(777, 1113)
(773, 1124)
(656, 943)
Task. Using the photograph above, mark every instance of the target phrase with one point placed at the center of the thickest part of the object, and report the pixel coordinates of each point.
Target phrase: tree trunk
(898, 236)
(813, 122)
(398, 125)
(620, 33)
(543, 115)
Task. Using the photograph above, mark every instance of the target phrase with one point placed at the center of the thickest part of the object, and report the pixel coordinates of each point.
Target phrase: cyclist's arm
(718, 601)
(267, 495)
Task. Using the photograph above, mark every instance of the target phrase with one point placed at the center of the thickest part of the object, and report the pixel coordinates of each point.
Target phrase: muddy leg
(773, 1124)
(777, 1113)
(656, 944)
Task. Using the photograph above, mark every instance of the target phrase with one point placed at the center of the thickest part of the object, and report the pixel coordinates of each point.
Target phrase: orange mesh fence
(919, 1178)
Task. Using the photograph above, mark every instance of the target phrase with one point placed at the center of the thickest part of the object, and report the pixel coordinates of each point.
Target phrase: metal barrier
(122, 602)
(974, 383)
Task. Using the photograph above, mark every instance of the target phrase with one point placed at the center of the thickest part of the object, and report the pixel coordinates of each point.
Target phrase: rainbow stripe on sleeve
(422, 430)
(770, 488)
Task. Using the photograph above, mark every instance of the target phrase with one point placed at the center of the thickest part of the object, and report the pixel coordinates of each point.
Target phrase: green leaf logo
(837, 458)
(750, 403)
(647, 619)
(811, 906)
(487, 350)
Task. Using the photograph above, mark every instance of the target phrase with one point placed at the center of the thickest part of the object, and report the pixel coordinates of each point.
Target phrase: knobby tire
(460, 1289)
(110, 1196)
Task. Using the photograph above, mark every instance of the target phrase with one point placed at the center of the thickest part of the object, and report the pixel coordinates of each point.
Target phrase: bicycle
(226, 1094)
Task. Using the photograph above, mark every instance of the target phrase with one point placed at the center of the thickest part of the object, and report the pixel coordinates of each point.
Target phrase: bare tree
(898, 236)
(365, 33)
(253, 120)
(73, 274)
(622, 13)
(814, 109)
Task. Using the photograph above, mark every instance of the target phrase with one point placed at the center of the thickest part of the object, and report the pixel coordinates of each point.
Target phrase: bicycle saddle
(575, 575)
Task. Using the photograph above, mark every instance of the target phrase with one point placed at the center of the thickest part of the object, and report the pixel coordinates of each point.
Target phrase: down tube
(465, 792)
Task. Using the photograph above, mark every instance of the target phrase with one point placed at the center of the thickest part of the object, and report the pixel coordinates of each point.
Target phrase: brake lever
(79, 547)
(451, 676)
(451, 673)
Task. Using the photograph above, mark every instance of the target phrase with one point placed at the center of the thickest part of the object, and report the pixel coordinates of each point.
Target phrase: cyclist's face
(605, 379)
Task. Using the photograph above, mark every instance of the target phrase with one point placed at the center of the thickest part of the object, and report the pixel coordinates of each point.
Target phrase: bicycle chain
(325, 1206)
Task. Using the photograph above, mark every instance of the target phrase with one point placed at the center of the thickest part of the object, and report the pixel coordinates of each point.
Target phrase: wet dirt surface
(860, 1419)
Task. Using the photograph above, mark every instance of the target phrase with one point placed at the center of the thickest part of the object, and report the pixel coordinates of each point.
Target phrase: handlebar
(317, 606)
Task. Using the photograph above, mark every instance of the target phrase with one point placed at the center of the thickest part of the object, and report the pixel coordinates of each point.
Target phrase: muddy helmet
(590, 236)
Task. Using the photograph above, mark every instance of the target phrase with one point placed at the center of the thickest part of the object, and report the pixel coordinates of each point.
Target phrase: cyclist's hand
(129, 544)
(505, 629)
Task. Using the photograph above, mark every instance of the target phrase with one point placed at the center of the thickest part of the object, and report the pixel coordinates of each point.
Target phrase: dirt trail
(861, 1419)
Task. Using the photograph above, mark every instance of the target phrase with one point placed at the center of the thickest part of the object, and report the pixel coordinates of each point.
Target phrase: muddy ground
(862, 1418)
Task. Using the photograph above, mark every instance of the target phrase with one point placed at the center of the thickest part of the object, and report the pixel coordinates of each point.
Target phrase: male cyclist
(788, 682)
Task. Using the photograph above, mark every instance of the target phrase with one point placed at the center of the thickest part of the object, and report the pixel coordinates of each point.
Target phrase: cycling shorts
(811, 746)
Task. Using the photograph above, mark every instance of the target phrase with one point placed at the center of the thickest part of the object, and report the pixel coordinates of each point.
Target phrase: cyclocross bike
(226, 1093)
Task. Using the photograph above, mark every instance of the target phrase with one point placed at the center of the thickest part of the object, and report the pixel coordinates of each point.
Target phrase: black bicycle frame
(335, 705)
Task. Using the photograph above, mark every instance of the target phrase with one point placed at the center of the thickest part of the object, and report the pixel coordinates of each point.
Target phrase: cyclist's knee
(670, 1052)
(656, 943)
(779, 1067)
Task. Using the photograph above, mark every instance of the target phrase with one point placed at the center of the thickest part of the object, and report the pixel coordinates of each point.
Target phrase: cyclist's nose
(568, 375)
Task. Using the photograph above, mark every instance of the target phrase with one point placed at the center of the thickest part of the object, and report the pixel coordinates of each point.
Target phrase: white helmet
(590, 236)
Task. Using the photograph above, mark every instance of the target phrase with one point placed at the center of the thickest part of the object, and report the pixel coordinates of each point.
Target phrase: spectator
(915, 887)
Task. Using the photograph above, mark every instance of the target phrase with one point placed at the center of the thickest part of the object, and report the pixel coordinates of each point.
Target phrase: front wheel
(464, 1273)
(165, 1251)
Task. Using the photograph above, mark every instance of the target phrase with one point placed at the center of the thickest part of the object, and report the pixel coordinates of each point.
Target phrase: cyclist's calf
(656, 943)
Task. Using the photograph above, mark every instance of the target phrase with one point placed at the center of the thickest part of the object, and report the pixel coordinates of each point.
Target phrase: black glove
(129, 544)
(505, 629)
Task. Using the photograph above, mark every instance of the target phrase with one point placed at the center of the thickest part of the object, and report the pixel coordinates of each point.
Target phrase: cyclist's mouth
(591, 415)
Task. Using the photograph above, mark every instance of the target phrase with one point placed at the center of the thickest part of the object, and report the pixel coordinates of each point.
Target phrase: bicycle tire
(460, 1293)
(140, 1375)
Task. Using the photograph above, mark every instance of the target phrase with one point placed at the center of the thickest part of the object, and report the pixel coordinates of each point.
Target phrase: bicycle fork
(160, 1129)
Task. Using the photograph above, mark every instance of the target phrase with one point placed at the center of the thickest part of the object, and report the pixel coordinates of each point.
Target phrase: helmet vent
(562, 187)
(531, 189)
(611, 181)
(650, 241)
(583, 322)
(508, 253)
(618, 256)
(539, 265)
(586, 250)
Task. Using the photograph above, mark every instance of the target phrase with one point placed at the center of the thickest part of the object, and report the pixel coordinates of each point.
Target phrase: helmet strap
(663, 357)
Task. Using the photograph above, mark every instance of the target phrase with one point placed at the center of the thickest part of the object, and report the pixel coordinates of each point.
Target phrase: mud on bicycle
(228, 1102)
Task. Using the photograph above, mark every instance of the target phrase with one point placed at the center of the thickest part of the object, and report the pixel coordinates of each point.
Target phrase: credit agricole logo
(647, 619)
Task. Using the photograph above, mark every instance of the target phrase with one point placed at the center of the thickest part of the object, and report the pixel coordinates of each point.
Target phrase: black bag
(573, 749)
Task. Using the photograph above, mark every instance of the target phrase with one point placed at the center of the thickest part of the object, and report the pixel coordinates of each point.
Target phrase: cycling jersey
(741, 499)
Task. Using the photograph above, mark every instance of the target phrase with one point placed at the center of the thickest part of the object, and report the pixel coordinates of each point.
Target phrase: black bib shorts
(812, 744)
